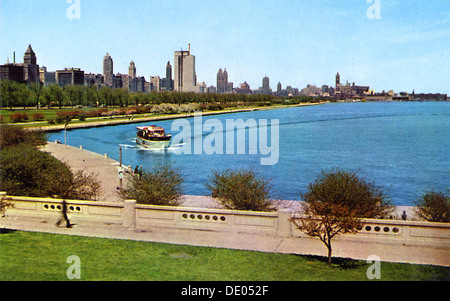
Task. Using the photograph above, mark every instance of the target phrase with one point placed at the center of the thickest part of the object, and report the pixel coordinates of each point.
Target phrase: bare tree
(84, 187)
(334, 203)
(326, 221)
(4, 204)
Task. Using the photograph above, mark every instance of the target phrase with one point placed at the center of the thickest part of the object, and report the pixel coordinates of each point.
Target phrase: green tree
(122, 97)
(105, 96)
(37, 91)
(45, 98)
(347, 189)
(21, 96)
(434, 206)
(241, 189)
(57, 95)
(27, 171)
(6, 93)
(161, 185)
(74, 94)
(13, 135)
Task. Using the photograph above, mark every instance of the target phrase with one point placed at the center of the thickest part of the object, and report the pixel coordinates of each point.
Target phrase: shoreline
(139, 119)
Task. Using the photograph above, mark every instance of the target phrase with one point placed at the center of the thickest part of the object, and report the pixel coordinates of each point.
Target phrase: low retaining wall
(274, 224)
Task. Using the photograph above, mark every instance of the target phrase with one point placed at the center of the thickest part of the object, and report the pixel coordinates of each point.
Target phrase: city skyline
(293, 42)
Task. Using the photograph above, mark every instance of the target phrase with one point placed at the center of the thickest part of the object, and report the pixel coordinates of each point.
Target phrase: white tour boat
(152, 137)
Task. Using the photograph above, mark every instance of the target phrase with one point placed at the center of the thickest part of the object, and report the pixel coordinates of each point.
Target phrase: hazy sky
(295, 42)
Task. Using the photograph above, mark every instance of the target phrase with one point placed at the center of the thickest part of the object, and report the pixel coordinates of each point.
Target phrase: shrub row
(18, 117)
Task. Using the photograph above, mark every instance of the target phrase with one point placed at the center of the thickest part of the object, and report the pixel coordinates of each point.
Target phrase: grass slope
(28, 256)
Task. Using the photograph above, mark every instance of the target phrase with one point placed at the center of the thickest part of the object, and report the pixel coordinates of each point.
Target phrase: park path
(79, 159)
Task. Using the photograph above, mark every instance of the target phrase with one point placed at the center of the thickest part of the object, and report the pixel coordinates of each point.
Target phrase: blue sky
(295, 42)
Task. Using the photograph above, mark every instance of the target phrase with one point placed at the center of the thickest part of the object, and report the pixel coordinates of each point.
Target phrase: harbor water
(401, 146)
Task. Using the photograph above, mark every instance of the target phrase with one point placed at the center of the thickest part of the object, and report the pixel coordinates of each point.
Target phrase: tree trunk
(330, 250)
(329, 255)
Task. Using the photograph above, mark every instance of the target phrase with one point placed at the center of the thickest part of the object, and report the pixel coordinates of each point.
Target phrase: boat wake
(127, 146)
(171, 148)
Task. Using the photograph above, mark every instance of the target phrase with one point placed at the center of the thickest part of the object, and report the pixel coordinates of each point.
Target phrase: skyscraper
(168, 82)
(69, 76)
(222, 80)
(30, 67)
(185, 79)
(132, 81)
(266, 86)
(29, 58)
(223, 86)
(108, 70)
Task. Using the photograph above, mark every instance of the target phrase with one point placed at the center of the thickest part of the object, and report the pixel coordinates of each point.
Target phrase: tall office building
(223, 86)
(108, 70)
(47, 78)
(69, 76)
(27, 72)
(155, 83)
(185, 79)
(266, 86)
(338, 80)
(31, 68)
(222, 80)
(132, 81)
(29, 58)
(167, 82)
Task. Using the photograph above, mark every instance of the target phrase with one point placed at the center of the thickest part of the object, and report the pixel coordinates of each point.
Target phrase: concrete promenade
(238, 241)
(90, 162)
(107, 171)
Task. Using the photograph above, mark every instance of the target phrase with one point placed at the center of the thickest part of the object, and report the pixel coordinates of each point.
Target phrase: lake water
(401, 146)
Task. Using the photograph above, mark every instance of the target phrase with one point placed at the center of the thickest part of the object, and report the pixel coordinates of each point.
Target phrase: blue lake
(401, 146)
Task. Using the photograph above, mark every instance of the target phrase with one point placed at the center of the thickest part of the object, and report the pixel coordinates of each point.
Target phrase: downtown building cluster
(183, 78)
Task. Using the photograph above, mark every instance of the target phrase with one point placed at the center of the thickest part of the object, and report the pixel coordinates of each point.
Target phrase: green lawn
(39, 256)
(50, 114)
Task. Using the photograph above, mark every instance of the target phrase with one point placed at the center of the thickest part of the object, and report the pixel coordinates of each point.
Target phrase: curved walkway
(89, 162)
(107, 171)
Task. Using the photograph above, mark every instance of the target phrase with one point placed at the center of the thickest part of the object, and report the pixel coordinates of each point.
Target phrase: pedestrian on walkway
(65, 217)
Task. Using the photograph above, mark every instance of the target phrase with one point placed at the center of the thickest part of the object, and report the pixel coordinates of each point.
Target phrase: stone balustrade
(273, 224)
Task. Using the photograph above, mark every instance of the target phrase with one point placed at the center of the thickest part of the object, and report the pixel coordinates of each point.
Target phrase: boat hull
(153, 144)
